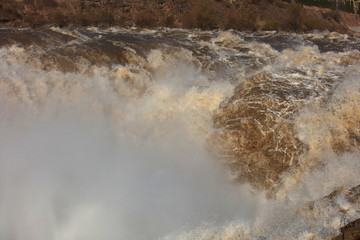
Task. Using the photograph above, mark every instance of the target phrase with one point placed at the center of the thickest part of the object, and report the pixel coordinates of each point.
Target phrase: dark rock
(350, 232)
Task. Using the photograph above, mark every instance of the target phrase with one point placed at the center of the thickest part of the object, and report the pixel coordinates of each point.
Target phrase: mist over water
(78, 161)
(105, 134)
(74, 178)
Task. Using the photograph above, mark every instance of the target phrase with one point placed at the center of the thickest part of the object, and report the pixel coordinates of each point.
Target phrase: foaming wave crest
(89, 156)
(333, 124)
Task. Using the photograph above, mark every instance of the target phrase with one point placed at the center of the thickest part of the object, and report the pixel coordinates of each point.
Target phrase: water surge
(177, 134)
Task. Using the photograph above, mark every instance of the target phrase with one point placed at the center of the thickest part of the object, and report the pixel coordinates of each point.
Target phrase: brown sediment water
(177, 134)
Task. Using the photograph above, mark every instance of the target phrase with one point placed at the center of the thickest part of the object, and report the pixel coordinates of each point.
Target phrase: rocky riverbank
(213, 14)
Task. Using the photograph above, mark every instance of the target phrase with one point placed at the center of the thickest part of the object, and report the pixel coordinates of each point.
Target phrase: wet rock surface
(351, 231)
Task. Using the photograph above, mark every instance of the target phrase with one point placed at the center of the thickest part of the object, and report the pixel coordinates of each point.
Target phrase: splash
(100, 155)
(108, 134)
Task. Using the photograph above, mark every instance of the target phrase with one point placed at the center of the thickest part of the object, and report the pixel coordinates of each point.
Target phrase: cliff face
(235, 14)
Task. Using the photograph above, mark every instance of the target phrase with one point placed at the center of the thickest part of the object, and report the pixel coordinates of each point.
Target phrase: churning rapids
(177, 134)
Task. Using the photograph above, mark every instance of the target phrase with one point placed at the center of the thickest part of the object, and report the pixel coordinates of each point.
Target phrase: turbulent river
(177, 134)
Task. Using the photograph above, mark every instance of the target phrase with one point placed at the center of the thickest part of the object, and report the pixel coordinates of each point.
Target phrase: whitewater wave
(129, 134)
